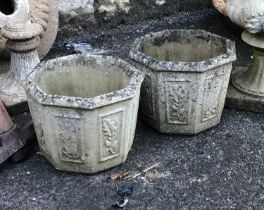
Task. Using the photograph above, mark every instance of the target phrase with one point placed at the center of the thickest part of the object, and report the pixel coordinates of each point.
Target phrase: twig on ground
(143, 172)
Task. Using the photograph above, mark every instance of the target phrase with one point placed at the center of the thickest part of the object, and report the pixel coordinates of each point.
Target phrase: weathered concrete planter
(84, 110)
(187, 75)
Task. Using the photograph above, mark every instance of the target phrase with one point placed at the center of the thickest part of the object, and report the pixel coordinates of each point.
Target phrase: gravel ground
(219, 169)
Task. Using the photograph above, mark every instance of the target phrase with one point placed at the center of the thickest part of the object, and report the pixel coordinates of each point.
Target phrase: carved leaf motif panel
(69, 134)
(177, 93)
(146, 100)
(111, 135)
(212, 96)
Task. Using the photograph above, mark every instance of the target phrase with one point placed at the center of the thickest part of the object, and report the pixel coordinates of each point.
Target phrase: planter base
(78, 168)
(241, 101)
(170, 130)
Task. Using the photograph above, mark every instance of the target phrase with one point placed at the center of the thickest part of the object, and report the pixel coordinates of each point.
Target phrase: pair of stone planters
(84, 110)
(84, 107)
(187, 74)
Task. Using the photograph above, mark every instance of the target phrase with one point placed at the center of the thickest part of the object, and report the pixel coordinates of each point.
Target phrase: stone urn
(18, 45)
(247, 14)
(43, 12)
(23, 41)
(187, 75)
(84, 109)
(246, 92)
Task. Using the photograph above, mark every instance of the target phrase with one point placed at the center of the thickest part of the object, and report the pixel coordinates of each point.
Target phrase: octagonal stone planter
(187, 75)
(84, 110)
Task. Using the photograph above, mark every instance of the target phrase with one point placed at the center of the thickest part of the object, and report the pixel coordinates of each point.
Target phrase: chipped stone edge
(136, 78)
(178, 66)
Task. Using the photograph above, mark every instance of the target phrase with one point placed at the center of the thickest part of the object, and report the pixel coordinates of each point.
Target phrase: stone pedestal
(23, 40)
(246, 91)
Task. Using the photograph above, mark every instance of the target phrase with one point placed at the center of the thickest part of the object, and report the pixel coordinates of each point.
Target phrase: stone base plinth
(237, 100)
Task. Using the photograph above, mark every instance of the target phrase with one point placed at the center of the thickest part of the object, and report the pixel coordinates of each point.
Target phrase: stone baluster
(23, 40)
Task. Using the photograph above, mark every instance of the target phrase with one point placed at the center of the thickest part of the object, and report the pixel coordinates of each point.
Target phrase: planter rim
(130, 91)
(179, 66)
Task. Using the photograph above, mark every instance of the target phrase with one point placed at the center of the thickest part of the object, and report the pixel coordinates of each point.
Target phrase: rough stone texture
(84, 109)
(237, 99)
(23, 41)
(110, 7)
(44, 12)
(187, 75)
(76, 6)
(248, 14)
(111, 13)
(127, 12)
(9, 13)
(21, 37)
(251, 82)
(247, 88)
(115, 6)
(219, 169)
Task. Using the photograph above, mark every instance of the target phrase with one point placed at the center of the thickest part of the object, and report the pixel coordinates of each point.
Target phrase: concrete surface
(219, 169)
